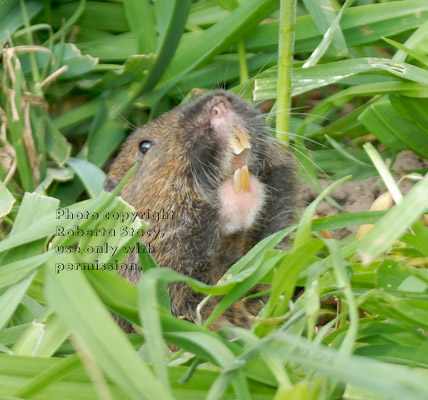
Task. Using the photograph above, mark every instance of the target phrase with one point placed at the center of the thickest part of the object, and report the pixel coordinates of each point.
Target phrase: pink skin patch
(220, 120)
(238, 211)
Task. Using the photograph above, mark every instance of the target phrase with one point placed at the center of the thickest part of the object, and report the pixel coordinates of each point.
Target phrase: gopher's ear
(109, 185)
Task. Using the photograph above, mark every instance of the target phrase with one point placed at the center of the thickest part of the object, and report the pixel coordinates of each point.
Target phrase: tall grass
(77, 77)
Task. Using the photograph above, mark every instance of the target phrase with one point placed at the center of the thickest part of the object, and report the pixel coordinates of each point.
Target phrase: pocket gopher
(217, 180)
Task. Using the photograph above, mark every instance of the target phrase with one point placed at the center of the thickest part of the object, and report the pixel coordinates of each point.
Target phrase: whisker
(295, 135)
(127, 122)
(263, 116)
(244, 88)
(309, 159)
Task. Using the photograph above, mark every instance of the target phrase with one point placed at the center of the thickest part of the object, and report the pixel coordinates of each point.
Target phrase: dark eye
(145, 146)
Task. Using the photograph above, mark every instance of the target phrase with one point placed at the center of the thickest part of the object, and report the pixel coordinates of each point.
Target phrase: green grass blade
(394, 223)
(303, 233)
(147, 306)
(285, 277)
(333, 33)
(340, 221)
(370, 89)
(56, 144)
(214, 39)
(415, 54)
(6, 200)
(223, 357)
(306, 79)
(285, 59)
(384, 172)
(10, 299)
(83, 313)
(343, 283)
(323, 14)
(266, 265)
(47, 377)
(141, 19)
(389, 381)
(412, 42)
(11, 18)
(91, 176)
(42, 338)
(15, 271)
(169, 38)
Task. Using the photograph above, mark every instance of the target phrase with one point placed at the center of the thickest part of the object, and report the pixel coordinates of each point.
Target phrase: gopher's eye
(145, 146)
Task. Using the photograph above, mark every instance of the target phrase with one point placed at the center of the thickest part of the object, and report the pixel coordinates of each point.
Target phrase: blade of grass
(141, 19)
(147, 307)
(412, 42)
(323, 14)
(384, 172)
(344, 284)
(6, 200)
(91, 176)
(223, 357)
(11, 17)
(11, 298)
(166, 48)
(285, 58)
(83, 313)
(71, 21)
(41, 338)
(212, 41)
(394, 223)
(384, 379)
(303, 233)
(413, 53)
(55, 373)
(332, 32)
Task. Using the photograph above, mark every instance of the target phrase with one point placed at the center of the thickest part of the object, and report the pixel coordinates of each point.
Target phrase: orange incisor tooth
(239, 141)
(241, 180)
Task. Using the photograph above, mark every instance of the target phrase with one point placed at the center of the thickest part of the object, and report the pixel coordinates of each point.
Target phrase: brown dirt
(358, 196)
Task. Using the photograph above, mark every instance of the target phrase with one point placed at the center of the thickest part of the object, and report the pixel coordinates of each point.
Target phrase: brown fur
(169, 177)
